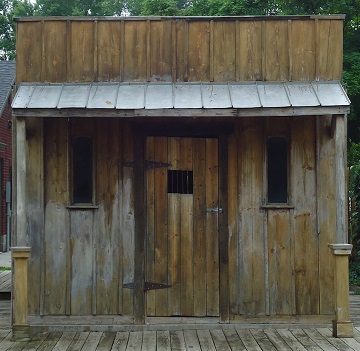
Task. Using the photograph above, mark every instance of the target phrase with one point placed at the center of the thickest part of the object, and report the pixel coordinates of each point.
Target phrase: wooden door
(182, 252)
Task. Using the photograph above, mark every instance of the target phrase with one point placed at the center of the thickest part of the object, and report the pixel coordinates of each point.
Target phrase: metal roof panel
(103, 96)
(331, 94)
(301, 94)
(74, 96)
(131, 96)
(273, 95)
(45, 96)
(187, 95)
(216, 95)
(159, 95)
(244, 96)
(23, 96)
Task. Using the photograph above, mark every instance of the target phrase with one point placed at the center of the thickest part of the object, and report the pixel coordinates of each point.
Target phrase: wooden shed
(179, 171)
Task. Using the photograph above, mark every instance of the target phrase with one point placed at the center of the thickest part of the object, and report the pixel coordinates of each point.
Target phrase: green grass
(5, 268)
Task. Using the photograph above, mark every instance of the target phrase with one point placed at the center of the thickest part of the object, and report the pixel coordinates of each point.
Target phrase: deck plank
(234, 340)
(220, 340)
(149, 341)
(338, 343)
(106, 341)
(191, 340)
(78, 341)
(135, 341)
(248, 340)
(262, 339)
(277, 340)
(291, 340)
(121, 341)
(319, 340)
(92, 341)
(163, 340)
(177, 340)
(64, 342)
(304, 339)
(205, 340)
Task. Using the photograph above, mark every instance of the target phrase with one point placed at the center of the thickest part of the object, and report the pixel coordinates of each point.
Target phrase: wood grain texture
(325, 211)
(175, 49)
(56, 216)
(303, 184)
(35, 210)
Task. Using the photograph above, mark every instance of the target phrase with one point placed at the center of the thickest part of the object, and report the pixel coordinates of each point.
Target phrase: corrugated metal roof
(150, 96)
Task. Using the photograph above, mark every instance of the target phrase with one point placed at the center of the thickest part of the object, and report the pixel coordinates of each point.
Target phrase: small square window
(180, 182)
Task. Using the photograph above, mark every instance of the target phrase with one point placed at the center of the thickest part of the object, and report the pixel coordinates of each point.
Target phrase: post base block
(342, 329)
(20, 333)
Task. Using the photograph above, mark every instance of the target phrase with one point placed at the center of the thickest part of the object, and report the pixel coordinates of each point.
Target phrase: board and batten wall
(303, 48)
(279, 262)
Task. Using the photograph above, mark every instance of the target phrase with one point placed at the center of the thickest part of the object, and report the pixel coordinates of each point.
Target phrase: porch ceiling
(246, 98)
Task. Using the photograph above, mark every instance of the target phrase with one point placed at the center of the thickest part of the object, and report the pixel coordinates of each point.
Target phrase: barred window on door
(180, 182)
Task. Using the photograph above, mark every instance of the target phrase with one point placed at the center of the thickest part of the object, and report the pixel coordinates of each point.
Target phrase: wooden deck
(239, 339)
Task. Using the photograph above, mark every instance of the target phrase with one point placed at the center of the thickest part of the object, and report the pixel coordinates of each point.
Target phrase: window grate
(180, 182)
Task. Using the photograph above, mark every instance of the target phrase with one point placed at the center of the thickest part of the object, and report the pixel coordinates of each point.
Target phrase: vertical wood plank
(150, 227)
(329, 52)
(82, 51)
(249, 50)
(276, 52)
(161, 55)
(127, 220)
(174, 228)
(161, 226)
(56, 216)
(303, 193)
(35, 211)
(233, 215)
(223, 230)
(81, 227)
(139, 212)
(212, 233)
(187, 245)
(281, 297)
(224, 51)
(200, 233)
(55, 51)
(107, 216)
(109, 51)
(28, 48)
(198, 54)
(326, 211)
(251, 242)
(135, 50)
(303, 50)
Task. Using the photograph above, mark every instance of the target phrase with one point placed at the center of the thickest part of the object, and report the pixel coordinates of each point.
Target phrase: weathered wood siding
(179, 49)
(279, 263)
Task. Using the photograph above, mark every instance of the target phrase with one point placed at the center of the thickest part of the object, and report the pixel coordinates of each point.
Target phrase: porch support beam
(342, 326)
(20, 250)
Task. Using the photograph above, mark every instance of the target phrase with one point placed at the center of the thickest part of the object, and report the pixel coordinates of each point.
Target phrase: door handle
(214, 210)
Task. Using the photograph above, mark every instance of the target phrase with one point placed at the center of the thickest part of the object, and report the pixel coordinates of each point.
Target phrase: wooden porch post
(342, 326)
(20, 251)
(20, 329)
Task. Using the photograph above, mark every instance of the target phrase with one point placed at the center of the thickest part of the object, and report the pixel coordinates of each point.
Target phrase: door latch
(214, 210)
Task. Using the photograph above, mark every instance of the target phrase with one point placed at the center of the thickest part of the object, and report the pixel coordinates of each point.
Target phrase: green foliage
(354, 273)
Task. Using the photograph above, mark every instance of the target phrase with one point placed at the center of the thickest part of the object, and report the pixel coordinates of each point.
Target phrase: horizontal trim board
(183, 18)
(260, 112)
